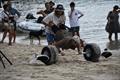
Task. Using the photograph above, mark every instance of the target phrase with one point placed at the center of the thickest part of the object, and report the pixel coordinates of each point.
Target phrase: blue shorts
(50, 37)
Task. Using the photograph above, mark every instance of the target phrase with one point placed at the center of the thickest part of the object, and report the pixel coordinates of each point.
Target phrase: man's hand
(80, 16)
(71, 14)
(51, 23)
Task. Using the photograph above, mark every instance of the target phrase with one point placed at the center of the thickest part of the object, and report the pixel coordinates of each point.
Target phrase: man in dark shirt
(16, 15)
(44, 12)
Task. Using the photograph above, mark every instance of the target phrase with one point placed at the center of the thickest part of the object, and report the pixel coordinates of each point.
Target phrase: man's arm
(47, 21)
(119, 10)
(70, 14)
(78, 48)
(42, 12)
(108, 17)
(17, 12)
(81, 14)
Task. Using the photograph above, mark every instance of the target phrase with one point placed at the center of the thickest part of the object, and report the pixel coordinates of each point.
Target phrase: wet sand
(69, 67)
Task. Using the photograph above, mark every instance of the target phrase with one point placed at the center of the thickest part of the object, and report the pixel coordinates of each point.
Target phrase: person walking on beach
(54, 19)
(74, 16)
(113, 25)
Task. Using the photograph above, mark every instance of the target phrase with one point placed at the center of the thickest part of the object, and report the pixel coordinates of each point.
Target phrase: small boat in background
(30, 26)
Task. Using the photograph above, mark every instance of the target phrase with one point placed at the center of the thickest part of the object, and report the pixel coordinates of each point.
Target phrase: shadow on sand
(113, 45)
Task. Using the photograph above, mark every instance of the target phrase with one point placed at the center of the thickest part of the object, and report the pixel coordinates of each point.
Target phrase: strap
(6, 13)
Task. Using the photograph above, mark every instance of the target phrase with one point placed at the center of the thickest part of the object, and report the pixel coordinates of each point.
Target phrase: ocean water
(92, 24)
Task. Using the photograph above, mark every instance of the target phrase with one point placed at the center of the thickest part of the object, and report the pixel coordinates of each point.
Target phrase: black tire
(92, 52)
(52, 53)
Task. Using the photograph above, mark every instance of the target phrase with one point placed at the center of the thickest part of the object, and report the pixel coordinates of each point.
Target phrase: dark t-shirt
(39, 20)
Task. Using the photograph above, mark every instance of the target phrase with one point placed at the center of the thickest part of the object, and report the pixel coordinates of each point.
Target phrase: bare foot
(10, 44)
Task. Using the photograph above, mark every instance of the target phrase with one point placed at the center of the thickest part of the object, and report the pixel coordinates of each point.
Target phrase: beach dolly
(49, 54)
(1, 56)
(91, 52)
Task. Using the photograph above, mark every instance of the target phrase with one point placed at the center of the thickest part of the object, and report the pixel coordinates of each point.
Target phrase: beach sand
(69, 67)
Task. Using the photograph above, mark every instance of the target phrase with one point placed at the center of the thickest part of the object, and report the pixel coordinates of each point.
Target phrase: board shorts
(75, 29)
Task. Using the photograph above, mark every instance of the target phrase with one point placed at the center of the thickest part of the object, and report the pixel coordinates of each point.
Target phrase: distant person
(6, 20)
(52, 20)
(15, 15)
(74, 16)
(44, 13)
(113, 25)
(14, 12)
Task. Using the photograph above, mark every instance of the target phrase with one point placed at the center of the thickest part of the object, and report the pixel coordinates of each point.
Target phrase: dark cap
(72, 4)
(51, 2)
(116, 7)
(60, 7)
(5, 6)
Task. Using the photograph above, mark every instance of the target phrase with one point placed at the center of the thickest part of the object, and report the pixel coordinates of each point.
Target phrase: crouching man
(68, 43)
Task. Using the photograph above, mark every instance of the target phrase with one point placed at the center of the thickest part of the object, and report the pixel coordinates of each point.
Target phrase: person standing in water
(74, 16)
(113, 25)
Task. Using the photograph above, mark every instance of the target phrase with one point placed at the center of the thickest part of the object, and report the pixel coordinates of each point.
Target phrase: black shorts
(75, 29)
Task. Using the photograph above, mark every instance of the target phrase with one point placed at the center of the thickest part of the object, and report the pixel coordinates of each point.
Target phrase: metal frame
(3, 56)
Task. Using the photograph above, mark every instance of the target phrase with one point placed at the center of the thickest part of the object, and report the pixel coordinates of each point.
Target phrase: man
(68, 43)
(74, 16)
(5, 15)
(44, 12)
(16, 15)
(54, 19)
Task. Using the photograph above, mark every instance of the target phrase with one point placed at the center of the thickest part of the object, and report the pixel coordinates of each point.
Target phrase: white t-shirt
(73, 20)
(56, 20)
